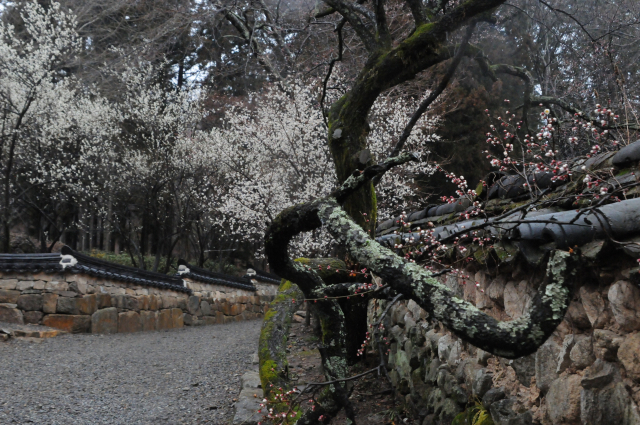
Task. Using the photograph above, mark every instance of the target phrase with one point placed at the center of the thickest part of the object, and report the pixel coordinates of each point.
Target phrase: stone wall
(268, 289)
(80, 303)
(588, 372)
(219, 292)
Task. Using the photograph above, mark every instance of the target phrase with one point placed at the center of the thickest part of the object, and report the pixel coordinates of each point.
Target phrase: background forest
(164, 129)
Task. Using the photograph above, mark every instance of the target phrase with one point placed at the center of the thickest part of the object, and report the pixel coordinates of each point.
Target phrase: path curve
(182, 376)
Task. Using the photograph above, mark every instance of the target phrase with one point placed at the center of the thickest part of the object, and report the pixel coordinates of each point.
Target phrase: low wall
(76, 302)
(588, 372)
(218, 292)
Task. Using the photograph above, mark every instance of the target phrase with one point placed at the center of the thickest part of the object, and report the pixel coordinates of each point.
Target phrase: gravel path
(184, 376)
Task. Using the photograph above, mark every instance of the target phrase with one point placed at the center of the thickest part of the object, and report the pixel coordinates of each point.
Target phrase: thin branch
(331, 65)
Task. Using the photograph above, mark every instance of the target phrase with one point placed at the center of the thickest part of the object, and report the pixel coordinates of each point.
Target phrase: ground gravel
(181, 376)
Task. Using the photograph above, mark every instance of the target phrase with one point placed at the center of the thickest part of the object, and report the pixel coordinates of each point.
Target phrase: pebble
(180, 376)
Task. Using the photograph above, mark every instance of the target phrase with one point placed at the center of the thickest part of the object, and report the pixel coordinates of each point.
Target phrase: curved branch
(353, 13)
(360, 178)
(512, 339)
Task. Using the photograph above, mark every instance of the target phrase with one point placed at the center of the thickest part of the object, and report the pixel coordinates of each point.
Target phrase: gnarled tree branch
(512, 339)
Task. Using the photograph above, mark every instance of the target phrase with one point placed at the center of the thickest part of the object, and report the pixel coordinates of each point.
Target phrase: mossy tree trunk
(386, 67)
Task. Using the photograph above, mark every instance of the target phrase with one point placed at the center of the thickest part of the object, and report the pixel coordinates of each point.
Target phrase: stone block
(181, 301)
(23, 285)
(611, 405)
(219, 317)
(79, 286)
(116, 290)
(209, 320)
(594, 306)
(164, 319)
(581, 354)
(56, 285)
(624, 298)
(495, 290)
(525, 368)
(129, 291)
(491, 396)
(482, 382)
(228, 319)
(9, 296)
(193, 305)
(563, 400)
(142, 291)
(546, 364)
(105, 321)
(31, 302)
(577, 316)
(39, 285)
(247, 407)
(32, 317)
(606, 344)
(103, 300)
(117, 301)
(599, 375)
(129, 321)
(9, 313)
(143, 302)
(8, 284)
(517, 298)
(49, 303)
(149, 320)
(88, 304)
(205, 308)
(124, 302)
(169, 302)
(190, 320)
(177, 318)
(68, 322)
(154, 302)
(629, 355)
(67, 305)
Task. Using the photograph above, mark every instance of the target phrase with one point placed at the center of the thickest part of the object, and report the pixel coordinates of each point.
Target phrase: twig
(331, 65)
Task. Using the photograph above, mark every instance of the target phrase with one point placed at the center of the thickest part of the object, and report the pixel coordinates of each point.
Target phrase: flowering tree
(47, 119)
(274, 155)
